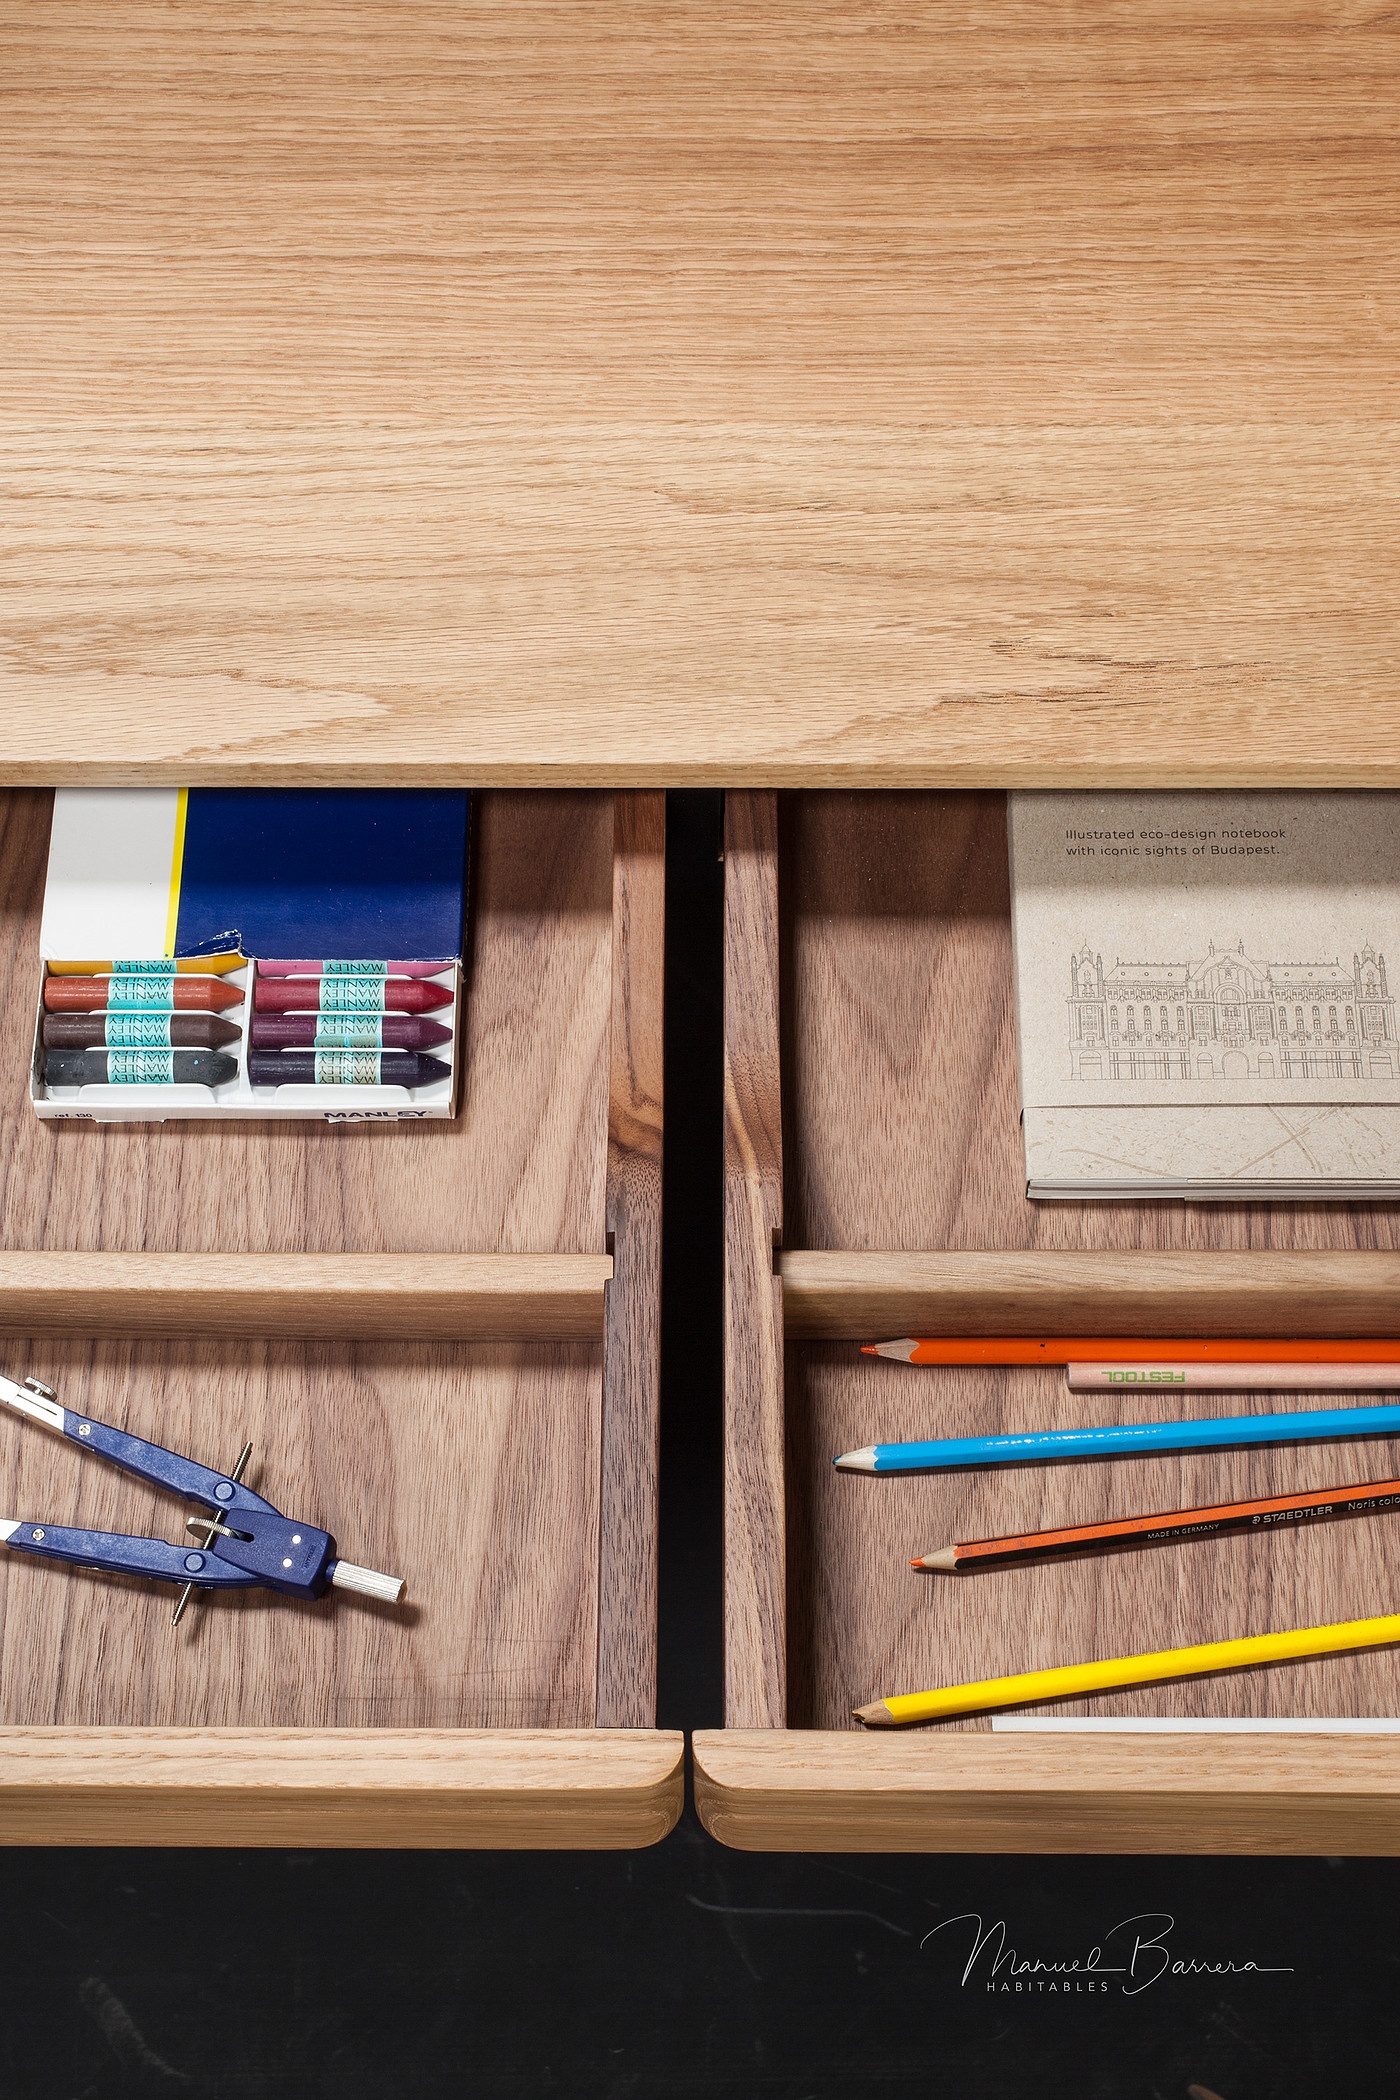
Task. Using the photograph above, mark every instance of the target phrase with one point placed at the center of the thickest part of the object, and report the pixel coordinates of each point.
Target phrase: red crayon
(69, 995)
(345, 996)
(346, 1032)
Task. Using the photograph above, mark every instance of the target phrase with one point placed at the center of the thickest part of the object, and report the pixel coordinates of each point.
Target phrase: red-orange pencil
(1374, 1498)
(1100, 1349)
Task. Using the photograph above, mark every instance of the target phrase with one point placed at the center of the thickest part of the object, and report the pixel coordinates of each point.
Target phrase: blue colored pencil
(1124, 1439)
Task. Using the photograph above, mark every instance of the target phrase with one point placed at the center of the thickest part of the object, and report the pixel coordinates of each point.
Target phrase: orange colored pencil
(1099, 1349)
(1373, 1498)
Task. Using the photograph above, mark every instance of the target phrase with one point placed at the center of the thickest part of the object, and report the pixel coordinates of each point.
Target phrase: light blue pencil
(1123, 1439)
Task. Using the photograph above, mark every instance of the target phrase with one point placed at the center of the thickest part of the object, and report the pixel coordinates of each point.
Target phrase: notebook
(1203, 1002)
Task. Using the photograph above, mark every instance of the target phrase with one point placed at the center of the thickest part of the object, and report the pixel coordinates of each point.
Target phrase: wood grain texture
(902, 1133)
(520, 1170)
(862, 1623)
(496, 1790)
(700, 393)
(904, 1205)
(632, 1345)
(470, 1470)
(900, 1093)
(754, 1548)
(1264, 1292)
(345, 1297)
(772, 1791)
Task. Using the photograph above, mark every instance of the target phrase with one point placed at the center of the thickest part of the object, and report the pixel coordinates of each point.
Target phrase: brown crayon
(130, 1031)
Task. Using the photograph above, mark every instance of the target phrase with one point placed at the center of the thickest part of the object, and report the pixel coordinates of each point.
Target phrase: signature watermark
(1131, 1957)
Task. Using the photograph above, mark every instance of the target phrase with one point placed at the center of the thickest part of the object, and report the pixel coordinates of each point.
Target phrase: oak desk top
(641, 393)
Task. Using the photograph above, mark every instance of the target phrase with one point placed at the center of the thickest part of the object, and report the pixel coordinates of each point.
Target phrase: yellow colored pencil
(1076, 1680)
(200, 965)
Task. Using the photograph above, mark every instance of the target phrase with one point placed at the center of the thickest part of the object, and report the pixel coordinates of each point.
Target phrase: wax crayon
(139, 1067)
(153, 1031)
(349, 995)
(344, 1068)
(351, 969)
(185, 965)
(139, 994)
(346, 1032)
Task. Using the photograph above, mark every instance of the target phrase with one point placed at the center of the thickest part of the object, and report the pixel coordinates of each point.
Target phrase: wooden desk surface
(785, 394)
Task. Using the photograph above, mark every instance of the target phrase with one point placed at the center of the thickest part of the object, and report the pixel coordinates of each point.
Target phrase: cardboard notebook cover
(144, 874)
(1203, 999)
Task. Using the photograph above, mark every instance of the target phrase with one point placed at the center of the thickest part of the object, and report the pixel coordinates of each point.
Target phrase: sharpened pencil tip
(862, 1461)
(945, 1560)
(868, 1349)
(876, 1715)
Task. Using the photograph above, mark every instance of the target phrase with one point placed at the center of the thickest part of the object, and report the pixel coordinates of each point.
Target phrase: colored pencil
(1234, 1378)
(1124, 1439)
(1079, 1680)
(1097, 1348)
(1372, 1498)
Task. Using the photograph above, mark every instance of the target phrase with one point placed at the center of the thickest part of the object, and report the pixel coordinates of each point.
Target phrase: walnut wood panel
(500, 1790)
(469, 1470)
(900, 1092)
(632, 1348)
(345, 1297)
(862, 1622)
(733, 394)
(521, 1169)
(753, 1308)
(771, 1791)
(1260, 1293)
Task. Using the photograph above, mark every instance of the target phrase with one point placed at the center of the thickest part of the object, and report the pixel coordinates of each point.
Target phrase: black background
(687, 1970)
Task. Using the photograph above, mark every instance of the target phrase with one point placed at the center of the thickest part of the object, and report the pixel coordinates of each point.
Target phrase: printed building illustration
(1228, 1016)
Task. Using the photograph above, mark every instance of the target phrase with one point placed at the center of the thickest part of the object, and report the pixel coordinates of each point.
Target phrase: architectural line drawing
(1228, 1016)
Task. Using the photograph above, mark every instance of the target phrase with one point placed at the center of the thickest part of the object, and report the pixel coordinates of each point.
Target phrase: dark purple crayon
(344, 1068)
(346, 1032)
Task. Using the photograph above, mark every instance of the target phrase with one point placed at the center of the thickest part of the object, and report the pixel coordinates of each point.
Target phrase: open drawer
(442, 1340)
(875, 1187)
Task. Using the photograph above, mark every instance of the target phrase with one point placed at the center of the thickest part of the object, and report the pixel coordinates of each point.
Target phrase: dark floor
(690, 1971)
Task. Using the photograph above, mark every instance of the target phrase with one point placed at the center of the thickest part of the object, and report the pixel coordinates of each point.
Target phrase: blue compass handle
(117, 1554)
(162, 1468)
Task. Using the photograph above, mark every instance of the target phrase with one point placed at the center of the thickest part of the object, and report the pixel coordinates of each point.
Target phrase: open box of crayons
(251, 952)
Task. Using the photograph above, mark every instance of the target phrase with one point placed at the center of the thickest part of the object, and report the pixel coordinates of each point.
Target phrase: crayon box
(153, 878)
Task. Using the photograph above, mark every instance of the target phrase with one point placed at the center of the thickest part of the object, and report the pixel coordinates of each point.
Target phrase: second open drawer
(874, 1187)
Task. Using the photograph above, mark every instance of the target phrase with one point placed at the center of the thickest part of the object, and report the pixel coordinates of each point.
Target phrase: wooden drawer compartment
(443, 1343)
(875, 1186)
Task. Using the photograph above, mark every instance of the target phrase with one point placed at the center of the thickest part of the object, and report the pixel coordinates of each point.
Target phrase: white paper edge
(1028, 1724)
